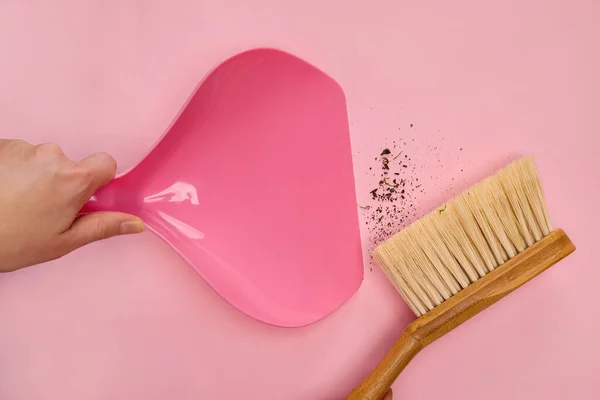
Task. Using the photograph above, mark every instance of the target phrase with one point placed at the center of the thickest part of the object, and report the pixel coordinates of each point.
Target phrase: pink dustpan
(253, 186)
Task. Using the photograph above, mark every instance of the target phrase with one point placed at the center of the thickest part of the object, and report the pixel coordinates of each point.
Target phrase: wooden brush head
(472, 234)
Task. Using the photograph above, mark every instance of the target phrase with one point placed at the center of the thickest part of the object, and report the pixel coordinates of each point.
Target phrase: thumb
(388, 395)
(98, 226)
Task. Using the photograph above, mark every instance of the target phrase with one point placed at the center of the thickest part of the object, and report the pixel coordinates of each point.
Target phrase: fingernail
(129, 227)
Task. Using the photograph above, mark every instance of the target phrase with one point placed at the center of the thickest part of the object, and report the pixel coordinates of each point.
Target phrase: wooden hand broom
(463, 257)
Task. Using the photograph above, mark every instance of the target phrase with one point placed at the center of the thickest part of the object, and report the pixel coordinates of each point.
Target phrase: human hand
(41, 193)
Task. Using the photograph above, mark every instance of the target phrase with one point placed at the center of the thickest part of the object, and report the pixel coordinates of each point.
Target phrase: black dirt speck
(393, 196)
(396, 191)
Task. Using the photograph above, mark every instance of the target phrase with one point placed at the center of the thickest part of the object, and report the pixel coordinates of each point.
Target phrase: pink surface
(253, 186)
(129, 319)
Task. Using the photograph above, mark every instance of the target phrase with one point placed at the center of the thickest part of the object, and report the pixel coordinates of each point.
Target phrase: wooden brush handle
(380, 380)
(459, 308)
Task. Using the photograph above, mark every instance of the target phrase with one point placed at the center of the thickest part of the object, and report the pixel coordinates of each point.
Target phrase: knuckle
(13, 142)
(49, 153)
(49, 148)
(16, 147)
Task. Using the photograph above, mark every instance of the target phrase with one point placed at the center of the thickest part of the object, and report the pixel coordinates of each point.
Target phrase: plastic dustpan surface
(253, 186)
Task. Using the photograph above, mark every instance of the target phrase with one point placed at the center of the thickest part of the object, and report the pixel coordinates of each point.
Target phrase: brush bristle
(473, 233)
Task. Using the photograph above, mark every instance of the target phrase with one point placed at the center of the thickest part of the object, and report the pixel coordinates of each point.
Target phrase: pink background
(128, 319)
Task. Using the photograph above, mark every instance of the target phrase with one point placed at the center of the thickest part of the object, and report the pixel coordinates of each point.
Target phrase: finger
(99, 168)
(99, 226)
(389, 395)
